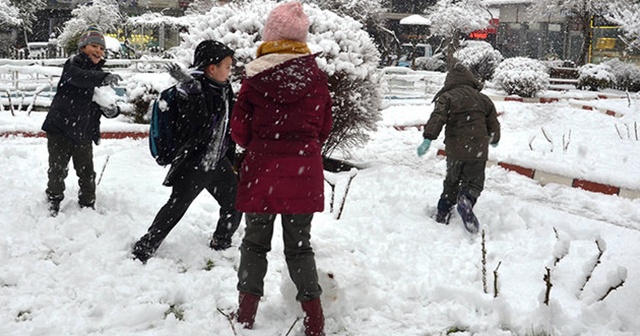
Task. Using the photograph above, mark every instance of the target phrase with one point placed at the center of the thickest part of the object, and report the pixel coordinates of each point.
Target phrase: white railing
(404, 83)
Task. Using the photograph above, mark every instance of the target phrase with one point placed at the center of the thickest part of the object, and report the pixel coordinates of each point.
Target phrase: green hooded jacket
(469, 116)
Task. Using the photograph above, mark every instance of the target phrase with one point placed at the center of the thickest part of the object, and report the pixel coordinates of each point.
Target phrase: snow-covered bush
(480, 58)
(347, 55)
(522, 76)
(627, 75)
(102, 14)
(595, 76)
(433, 63)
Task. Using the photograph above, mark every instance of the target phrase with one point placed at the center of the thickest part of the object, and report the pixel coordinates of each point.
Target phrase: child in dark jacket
(73, 121)
(206, 153)
(471, 125)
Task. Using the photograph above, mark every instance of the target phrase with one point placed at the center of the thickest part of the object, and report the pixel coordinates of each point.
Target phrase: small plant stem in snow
(595, 264)
(292, 325)
(352, 174)
(611, 289)
(548, 285)
(495, 280)
(229, 319)
(484, 265)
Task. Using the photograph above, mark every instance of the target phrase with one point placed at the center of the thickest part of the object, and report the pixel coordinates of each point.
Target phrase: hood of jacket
(285, 78)
(458, 76)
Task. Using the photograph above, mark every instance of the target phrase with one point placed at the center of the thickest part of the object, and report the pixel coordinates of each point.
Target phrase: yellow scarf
(283, 47)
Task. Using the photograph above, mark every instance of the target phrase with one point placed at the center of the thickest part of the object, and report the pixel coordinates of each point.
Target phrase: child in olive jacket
(471, 124)
(73, 121)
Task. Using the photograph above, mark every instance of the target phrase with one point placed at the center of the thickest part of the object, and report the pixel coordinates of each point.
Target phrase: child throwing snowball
(73, 122)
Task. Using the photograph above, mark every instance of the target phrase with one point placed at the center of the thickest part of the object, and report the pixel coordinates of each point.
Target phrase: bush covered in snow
(522, 76)
(480, 58)
(595, 76)
(627, 75)
(348, 56)
(432, 63)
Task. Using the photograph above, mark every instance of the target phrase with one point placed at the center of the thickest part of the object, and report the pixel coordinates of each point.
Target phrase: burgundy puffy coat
(282, 117)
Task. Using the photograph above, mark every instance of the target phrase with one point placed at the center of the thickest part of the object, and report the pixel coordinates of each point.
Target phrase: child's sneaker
(465, 209)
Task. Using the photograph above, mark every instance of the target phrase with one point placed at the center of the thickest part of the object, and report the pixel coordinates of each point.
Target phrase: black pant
(221, 182)
(463, 177)
(296, 232)
(61, 151)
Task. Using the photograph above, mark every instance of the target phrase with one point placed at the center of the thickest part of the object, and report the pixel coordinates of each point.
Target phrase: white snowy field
(386, 267)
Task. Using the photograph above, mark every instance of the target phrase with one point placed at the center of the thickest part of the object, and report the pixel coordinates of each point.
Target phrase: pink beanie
(286, 22)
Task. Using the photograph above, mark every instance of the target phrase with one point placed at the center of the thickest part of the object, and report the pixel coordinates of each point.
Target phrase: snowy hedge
(432, 63)
(480, 57)
(595, 76)
(521, 76)
(348, 56)
(627, 75)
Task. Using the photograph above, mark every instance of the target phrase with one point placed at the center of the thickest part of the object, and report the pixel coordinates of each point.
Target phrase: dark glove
(494, 145)
(111, 79)
(111, 111)
(188, 84)
(178, 74)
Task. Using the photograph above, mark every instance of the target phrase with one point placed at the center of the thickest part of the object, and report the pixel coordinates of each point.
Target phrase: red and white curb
(580, 105)
(545, 178)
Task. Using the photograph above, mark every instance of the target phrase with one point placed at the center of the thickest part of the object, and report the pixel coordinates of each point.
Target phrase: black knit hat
(210, 52)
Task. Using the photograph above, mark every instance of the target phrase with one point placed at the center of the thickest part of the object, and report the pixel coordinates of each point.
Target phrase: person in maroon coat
(282, 118)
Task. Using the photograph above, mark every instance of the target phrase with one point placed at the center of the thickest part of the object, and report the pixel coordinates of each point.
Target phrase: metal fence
(31, 83)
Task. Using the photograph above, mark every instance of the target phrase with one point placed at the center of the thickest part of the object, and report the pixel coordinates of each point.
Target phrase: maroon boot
(314, 319)
(248, 306)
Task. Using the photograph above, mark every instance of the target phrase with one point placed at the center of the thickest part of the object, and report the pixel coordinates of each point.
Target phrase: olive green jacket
(469, 116)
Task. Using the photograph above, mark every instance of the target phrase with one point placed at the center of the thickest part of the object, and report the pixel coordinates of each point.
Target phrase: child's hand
(111, 80)
(422, 149)
(178, 74)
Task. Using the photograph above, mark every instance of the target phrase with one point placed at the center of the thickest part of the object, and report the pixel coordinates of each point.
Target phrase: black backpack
(164, 114)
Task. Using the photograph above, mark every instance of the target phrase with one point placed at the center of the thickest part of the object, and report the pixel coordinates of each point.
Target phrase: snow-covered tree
(371, 14)
(102, 14)
(454, 19)
(628, 17)
(8, 14)
(27, 14)
(347, 55)
(200, 6)
(582, 10)
(480, 58)
(522, 76)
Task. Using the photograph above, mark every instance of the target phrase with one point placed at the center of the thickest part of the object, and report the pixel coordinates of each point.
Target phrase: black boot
(142, 251)
(54, 208)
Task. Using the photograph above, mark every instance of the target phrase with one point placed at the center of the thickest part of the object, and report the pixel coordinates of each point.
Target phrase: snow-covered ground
(386, 267)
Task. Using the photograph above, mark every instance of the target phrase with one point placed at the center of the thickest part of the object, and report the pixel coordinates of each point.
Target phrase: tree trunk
(588, 37)
(452, 46)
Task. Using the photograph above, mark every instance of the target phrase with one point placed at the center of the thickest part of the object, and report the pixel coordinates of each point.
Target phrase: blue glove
(494, 145)
(422, 149)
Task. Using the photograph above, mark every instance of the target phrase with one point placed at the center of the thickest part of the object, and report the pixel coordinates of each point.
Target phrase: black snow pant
(464, 177)
(221, 182)
(296, 232)
(61, 151)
